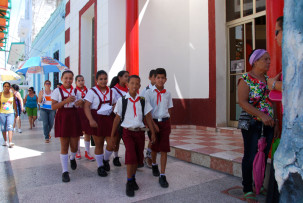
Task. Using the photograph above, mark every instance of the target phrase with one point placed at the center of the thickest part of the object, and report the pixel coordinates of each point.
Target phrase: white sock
(64, 162)
(115, 154)
(149, 150)
(87, 146)
(73, 155)
(107, 155)
(79, 146)
(99, 159)
(162, 174)
(154, 164)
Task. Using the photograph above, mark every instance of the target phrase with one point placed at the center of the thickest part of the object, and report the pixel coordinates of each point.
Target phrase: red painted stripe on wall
(67, 8)
(67, 35)
(132, 37)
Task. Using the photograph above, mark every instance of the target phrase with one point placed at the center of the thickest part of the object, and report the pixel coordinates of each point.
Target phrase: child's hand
(156, 128)
(153, 138)
(70, 99)
(93, 123)
(79, 102)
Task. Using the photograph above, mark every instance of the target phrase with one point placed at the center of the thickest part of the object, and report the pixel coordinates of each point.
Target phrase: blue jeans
(47, 117)
(7, 121)
(250, 139)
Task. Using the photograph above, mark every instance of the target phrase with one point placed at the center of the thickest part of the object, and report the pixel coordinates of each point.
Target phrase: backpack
(124, 106)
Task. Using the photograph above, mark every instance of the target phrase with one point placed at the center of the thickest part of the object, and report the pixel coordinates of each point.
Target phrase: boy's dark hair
(280, 22)
(6, 83)
(15, 87)
(100, 72)
(133, 76)
(67, 71)
(78, 76)
(115, 79)
(152, 73)
(59, 83)
(160, 71)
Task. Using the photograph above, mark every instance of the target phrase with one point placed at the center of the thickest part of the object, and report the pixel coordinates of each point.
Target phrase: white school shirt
(130, 121)
(150, 86)
(56, 95)
(117, 94)
(106, 109)
(160, 110)
(79, 94)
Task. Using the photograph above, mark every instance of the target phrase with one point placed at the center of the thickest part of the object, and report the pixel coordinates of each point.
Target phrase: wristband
(274, 85)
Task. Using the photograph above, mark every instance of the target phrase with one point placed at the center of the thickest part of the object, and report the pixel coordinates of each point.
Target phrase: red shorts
(134, 146)
(162, 138)
(67, 123)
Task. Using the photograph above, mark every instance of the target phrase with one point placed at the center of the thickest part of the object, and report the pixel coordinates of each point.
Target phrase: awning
(16, 53)
(5, 6)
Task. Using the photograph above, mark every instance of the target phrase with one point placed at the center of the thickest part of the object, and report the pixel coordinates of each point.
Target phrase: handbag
(244, 120)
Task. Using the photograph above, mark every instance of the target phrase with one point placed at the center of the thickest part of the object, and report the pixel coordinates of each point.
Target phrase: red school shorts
(134, 146)
(162, 138)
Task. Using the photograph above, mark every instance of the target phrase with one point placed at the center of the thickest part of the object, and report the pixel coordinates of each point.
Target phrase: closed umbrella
(41, 64)
(7, 75)
(259, 164)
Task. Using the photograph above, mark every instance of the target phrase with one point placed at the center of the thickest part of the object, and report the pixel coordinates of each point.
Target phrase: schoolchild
(80, 92)
(130, 111)
(119, 87)
(67, 123)
(98, 109)
(152, 78)
(161, 102)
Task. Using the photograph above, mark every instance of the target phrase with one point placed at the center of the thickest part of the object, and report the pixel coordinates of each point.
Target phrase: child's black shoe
(106, 165)
(135, 185)
(156, 171)
(116, 161)
(163, 182)
(65, 177)
(130, 189)
(102, 172)
(73, 164)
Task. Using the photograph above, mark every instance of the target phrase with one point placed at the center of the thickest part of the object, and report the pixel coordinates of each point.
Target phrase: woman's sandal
(250, 197)
(46, 141)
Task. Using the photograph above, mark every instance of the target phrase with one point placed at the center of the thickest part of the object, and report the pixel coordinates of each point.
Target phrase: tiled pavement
(220, 149)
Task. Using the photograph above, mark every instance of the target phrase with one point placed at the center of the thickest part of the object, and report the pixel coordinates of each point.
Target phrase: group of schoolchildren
(109, 114)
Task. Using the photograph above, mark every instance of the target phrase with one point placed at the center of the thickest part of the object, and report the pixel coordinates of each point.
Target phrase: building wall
(221, 67)
(49, 40)
(177, 40)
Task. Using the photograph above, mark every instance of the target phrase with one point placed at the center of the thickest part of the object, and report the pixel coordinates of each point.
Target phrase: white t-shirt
(56, 95)
(160, 110)
(106, 109)
(130, 120)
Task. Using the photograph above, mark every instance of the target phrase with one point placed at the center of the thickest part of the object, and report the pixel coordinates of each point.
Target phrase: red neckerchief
(135, 111)
(104, 95)
(69, 93)
(82, 91)
(124, 89)
(159, 94)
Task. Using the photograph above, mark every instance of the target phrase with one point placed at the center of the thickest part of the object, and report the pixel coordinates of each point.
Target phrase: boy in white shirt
(161, 101)
(130, 110)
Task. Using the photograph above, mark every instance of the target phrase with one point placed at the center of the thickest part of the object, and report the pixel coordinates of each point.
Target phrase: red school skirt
(105, 124)
(83, 121)
(67, 123)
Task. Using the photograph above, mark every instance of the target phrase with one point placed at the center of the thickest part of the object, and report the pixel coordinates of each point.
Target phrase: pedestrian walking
(31, 101)
(67, 122)
(7, 114)
(47, 115)
(20, 107)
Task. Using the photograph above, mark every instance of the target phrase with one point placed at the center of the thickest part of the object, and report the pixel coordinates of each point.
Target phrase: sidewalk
(31, 172)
